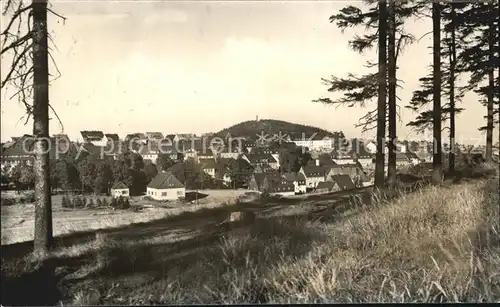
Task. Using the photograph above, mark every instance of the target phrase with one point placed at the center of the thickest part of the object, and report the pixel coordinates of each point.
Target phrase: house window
(163, 193)
(180, 193)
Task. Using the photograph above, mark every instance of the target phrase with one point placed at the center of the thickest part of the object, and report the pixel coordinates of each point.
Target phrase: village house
(19, 152)
(154, 136)
(258, 181)
(208, 166)
(298, 180)
(94, 137)
(327, 187)
(353, 170)
(149, 152)
(165, 146)
(279, 186)
(263, 168)
(248, 146)
(165, 186)
(229, 152)
(119, 189)
(261, 159)
(314, 174)
(344, 182)
(364, 158)
(205, 154)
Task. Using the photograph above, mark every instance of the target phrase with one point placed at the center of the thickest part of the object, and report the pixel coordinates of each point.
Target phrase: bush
(8, 202)
(90, 203)
(105, 202)
(120, 202)
(65, 202)
(98, 202)
(114, 202)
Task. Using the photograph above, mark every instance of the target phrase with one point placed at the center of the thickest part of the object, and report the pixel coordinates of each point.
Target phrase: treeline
(465, 44)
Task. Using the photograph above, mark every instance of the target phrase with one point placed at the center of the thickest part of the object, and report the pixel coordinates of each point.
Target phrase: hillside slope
(253, 128)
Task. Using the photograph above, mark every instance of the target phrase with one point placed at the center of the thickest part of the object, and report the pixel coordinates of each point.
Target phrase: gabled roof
(22, 147)
(137, 136)
(92, 135)
(291, 176)
(313, 171)
(112, 137)
(259, 178)
(154, 135)
(165, 180)
(256, 158)
(344, 181)
(119, 185)
(329, 185)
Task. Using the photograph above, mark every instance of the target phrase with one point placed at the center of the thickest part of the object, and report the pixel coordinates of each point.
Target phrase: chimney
(317, 162)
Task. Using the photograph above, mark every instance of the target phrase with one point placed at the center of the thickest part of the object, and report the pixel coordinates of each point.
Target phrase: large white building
(165, 186)
(316, 143)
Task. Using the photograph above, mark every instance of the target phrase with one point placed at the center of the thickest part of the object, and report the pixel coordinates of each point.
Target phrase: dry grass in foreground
(436, 245)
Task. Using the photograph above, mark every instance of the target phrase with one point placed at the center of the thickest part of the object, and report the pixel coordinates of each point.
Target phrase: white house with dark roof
(119, 189)
(165, 186)
(298, 180)
(314, 175)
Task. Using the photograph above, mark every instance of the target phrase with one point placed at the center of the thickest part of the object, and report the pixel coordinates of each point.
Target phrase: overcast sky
(199, 66)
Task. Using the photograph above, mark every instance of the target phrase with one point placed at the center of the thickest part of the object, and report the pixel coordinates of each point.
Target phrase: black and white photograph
(181, 152)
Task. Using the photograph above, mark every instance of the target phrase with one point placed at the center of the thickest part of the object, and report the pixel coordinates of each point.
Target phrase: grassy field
(18, 220)
(439, 244)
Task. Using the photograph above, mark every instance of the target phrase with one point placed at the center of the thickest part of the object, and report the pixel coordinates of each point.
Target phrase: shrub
(114, 202)
(105, 202)
(90, 203)
(126, 203)
(98, 202)
(65, 202)
(8, 202)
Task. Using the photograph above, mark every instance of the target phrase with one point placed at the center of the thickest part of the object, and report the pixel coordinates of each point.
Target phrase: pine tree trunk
(453, 60)
(437, 150)
(382, 84)
(391, 170)
(43, 206)
(491, 87)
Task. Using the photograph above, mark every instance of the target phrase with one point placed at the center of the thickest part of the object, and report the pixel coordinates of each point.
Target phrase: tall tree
(478, 33)
(437, 149)
(381, 106)
(32, 46)
(454, 93)
(453, 61)
(491, 83)
(391, 68)
(360, 90)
